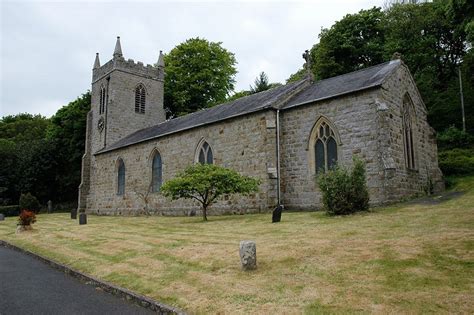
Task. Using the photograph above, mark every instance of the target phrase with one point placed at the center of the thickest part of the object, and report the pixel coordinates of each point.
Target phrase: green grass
(406, 258)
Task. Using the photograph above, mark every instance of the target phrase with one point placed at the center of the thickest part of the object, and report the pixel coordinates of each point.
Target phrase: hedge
(10, 211)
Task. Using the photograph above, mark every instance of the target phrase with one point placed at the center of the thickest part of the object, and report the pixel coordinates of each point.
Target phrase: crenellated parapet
(118, 62)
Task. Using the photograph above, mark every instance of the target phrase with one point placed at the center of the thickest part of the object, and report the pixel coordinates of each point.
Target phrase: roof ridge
(355, 71)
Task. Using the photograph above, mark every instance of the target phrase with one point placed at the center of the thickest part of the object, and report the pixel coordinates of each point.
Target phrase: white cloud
(48, 48)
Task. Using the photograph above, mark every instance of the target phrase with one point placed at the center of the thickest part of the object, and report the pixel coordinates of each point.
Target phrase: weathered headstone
(82, 218)
(50, 206)
(2, 217)
(248, 255)
(74, 214)
(192, 213)
(276, 215)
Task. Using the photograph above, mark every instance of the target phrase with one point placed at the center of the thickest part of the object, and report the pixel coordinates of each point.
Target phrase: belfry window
(205, 154)
(325, 148)
(102, 100)
(408, 139)
(120, 178)
(156, 172)
(140, 99)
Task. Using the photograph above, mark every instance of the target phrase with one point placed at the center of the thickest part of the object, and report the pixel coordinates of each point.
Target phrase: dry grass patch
(411, 258)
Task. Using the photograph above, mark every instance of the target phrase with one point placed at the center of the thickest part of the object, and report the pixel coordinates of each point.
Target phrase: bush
(27, 217)
(454, 138)
(344, 191)
(10, 211)
(29, 202)
(456, 162)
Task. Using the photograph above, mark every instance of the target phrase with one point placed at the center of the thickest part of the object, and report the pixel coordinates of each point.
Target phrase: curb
(128, 295)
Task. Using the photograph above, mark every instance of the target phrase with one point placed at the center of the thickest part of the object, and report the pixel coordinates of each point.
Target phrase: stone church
(284, 136)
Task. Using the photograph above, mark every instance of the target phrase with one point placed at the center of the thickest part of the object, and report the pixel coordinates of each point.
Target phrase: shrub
(29, 202)
(10, 211)
(27, 217)
(344, 191)
(454, 138)
(457, 162)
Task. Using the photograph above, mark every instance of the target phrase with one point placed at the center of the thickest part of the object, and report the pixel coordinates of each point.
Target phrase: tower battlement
(129, 66)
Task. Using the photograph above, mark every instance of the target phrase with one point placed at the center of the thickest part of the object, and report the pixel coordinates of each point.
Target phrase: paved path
(28, 286)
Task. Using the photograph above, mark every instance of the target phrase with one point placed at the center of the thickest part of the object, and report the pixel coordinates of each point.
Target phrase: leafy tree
(353, 43)
(199, 74)
(207, 182)
(23, 127)
(67, 135)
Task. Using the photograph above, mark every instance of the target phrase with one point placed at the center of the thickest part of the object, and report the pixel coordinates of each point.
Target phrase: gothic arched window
(140, 99)
(408, 139)
(323, 147)
(120, 177)
(156, 172)
(205, 154)
(102, 100)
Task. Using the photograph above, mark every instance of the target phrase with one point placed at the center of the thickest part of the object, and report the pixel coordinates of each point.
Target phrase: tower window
(102, 100)
(140, 99)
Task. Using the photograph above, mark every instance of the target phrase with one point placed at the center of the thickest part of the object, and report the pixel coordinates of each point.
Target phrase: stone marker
(82, 218)
(192, 213)
(276, 216)
(2, 217)
(74, 214)
(50, 206)
(248, 255)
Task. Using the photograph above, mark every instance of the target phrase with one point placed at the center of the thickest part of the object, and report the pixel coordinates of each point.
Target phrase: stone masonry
(366, 119)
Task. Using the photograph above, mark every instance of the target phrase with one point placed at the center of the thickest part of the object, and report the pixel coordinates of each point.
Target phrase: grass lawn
(409, 258)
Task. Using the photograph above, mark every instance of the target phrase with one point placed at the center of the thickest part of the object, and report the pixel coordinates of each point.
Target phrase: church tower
(125, 97)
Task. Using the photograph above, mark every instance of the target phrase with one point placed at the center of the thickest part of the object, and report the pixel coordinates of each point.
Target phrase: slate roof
(344, 84)
(299, 93)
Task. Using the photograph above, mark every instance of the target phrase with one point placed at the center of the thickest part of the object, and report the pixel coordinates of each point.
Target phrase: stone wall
(354, 118)
(245, 144)
(399, 181)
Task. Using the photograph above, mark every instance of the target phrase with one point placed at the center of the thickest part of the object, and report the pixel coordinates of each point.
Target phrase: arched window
(205, 154)
(102, 100)
(156, 172)
(323, 147)
(140, 99)
(120, 177)
(408, 139)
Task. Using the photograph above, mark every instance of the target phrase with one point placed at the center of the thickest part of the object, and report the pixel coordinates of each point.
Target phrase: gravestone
(82, 218)
(2, 217)
(74, 214)
(276, 215)
(248, 255)
(50, 206)
(192, 213)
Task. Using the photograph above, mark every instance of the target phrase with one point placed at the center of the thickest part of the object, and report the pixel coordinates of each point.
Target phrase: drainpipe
(278, 156)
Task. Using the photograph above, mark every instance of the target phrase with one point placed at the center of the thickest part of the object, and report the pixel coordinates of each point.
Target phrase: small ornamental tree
(344, 191)
(206, 183)
(29, 202)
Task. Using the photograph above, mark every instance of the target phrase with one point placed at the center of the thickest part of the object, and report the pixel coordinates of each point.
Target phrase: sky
(48, 47)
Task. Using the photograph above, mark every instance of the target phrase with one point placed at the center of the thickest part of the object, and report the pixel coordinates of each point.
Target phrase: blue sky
(48, 48)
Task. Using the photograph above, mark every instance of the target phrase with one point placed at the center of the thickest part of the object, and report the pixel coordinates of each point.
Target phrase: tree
(68, 134)
(23, 127)
(353, 43)
(199, 74)
(207, 182)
